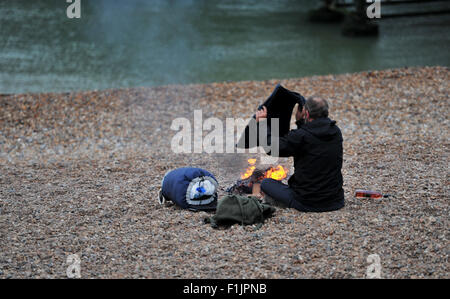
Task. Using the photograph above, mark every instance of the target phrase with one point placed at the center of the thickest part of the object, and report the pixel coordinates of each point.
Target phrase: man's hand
(300, 114)
(262, 113)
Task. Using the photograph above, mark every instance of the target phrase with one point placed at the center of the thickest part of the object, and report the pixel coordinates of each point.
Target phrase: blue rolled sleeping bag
(190, 188)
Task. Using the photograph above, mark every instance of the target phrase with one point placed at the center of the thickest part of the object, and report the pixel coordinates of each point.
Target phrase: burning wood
(254, 175)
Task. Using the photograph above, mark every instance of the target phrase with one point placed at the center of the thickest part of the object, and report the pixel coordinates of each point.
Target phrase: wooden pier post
(327, 13)
(357, 23)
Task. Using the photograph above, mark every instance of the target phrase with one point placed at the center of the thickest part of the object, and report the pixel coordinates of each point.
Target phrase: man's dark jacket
(317, 150)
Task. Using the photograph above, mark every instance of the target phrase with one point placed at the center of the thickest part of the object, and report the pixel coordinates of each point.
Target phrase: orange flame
(278, 173)
(250, 169)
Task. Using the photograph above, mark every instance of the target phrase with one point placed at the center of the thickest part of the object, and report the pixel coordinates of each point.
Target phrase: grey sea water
(157, 42)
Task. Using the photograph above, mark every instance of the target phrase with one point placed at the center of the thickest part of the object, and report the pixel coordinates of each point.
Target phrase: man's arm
(290, 144)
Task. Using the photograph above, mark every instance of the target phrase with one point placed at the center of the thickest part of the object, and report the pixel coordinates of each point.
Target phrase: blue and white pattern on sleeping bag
(190, 188)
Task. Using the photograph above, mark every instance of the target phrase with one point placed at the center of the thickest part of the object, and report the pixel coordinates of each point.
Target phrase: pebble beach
(80, 174)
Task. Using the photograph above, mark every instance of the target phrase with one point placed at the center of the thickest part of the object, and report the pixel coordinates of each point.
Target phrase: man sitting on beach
(316, 145)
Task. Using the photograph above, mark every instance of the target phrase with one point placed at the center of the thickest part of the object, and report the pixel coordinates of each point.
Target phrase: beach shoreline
(80, 173)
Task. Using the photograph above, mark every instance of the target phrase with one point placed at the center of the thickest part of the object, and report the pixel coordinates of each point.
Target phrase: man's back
(317, 150)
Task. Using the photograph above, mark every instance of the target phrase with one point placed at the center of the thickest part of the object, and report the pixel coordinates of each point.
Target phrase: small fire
(250, 169)
(277, 173)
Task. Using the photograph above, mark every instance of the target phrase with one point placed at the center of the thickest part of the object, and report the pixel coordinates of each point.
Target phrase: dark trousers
(283, 193)
(287, 196)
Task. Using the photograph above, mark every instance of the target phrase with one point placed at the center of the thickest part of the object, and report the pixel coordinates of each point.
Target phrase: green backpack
(245, 210)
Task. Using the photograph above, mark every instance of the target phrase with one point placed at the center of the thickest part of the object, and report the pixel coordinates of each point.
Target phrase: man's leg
(281, 193)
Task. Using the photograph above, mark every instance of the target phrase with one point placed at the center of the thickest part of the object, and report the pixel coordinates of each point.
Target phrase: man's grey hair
(317, 107)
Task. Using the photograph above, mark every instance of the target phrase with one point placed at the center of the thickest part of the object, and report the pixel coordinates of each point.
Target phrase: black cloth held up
(279, 105)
